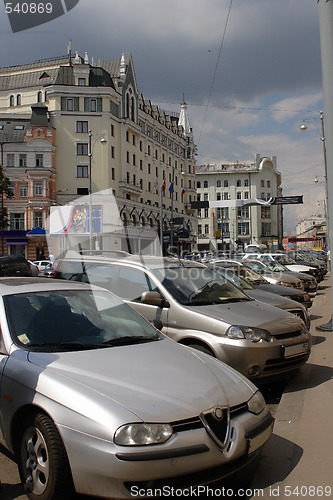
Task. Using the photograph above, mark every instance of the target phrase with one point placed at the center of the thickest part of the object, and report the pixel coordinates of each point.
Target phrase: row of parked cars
(139, 373)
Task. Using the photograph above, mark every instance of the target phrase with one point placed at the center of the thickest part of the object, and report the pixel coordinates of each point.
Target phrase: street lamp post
(90, 152)
(304, 128)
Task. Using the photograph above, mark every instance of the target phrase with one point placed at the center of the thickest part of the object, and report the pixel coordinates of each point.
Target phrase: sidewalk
(298, 459)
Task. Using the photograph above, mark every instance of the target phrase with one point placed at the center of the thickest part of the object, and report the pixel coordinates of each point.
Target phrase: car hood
(271, 299)
(251, 313)
(299, 268)
(159, 380)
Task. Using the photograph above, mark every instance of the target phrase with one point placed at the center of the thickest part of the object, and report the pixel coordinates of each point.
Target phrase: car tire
(42, 460)
(202, 348)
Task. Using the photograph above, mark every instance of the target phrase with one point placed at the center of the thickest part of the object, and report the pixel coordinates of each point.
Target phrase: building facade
(228, 227)
(86, 129)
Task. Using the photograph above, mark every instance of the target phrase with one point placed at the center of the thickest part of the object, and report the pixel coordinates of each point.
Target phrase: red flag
(183, 192)
(163, 186)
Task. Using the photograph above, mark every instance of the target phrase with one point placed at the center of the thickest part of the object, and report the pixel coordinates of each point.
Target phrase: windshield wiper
(128, 340)
(64, 346)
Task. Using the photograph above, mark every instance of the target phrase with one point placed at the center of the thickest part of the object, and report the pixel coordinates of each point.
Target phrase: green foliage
(5, 192)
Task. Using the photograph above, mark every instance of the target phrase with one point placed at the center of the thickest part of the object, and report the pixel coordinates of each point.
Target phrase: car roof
(12, 285)
(144, 261)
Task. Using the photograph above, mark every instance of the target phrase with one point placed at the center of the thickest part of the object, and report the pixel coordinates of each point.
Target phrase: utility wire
(215, 71)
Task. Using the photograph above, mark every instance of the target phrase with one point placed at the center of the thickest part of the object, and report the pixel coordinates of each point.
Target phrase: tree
(5, 190)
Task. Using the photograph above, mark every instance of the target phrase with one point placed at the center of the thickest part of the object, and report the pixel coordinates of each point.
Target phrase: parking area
(296, 460)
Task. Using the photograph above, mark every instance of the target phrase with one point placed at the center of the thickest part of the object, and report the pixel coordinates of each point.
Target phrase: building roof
(56, 71)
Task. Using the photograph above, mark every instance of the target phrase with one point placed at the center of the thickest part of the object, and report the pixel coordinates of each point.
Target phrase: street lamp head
(303, 128)
(316, 180)
(103, 140)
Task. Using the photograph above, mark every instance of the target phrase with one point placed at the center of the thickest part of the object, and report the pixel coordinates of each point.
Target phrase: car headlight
(245, 332)
(257, 403)
(284, 283)
(141, 434)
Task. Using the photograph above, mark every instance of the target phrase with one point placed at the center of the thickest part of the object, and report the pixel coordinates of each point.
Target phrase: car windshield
(276, 266)
(67, 320)
(198, 286)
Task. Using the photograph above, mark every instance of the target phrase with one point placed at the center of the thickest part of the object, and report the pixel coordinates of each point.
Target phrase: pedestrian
(329, 259)
(51, 258)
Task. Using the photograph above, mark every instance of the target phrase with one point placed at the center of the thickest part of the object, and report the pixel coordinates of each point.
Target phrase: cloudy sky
(250, 72)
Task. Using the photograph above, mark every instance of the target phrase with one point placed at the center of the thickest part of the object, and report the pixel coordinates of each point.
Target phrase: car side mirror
(153, 299)
(157, 323)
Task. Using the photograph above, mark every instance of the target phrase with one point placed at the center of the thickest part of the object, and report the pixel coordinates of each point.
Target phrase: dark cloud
(248, 82)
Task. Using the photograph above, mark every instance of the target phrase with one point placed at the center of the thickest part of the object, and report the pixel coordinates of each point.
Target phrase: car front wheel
(43, 464)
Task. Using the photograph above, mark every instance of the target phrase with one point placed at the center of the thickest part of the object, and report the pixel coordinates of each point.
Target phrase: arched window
(238, 183)
(225, 184)
(18, 100)
(205, 184)
(218, 183)
(198, 184)
(39, 96)
(246, 183)
(11, 100)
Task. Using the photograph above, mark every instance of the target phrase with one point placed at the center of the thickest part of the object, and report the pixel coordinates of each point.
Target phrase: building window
(38, 219)
(218, 184)
(206, 213)
(266, 229)
(238, 195)
(82, 82)
(92, 105)
(262, 183)
(198, 184)
(81, 127)
(23, 191)
(246, 183)
(38, 189)
(112, 130)
(82, 171)
(268, 184)
(206, 229)
(238, 183)
(69, 104)
(22, 160)
(225, 184)
(112, 173)
(18, 100)
(82, 149)
(205, 184)
(82, 191)
(112, 151)
(243, 228)
(39, 160)
(16, 221)
(11, 101)
(265, 212)
(39, 96)
(10, 160)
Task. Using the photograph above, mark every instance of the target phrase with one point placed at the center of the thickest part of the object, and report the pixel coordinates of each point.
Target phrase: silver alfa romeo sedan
(95, 400)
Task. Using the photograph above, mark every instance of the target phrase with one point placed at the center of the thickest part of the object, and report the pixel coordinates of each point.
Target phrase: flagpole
(171, 189)
(161, 218)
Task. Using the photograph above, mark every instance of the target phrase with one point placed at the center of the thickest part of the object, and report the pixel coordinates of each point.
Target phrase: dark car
(259, 281)
(14, 265)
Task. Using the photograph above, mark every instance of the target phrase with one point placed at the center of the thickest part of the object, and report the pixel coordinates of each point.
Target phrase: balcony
(129, 188)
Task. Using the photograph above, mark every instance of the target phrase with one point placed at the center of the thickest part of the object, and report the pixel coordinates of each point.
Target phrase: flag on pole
(163, 186)
(182, 193)
(156, 185)
(171, 188)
